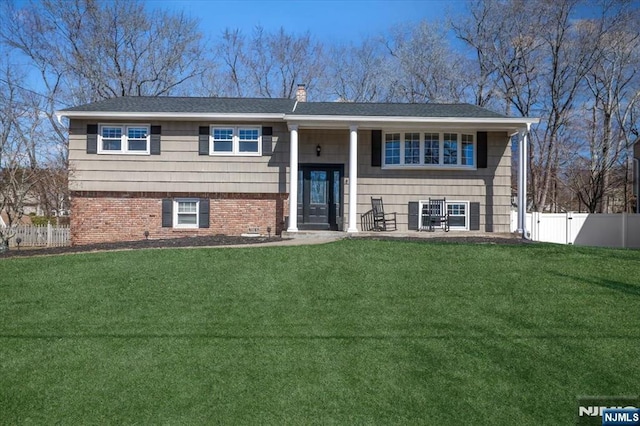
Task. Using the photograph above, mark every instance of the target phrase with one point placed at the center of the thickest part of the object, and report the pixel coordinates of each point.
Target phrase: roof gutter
(181, 116)
(512, 125)
(59, 117)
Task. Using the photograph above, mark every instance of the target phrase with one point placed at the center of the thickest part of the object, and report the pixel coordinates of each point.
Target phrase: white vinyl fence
(587, 229)
(41, 236)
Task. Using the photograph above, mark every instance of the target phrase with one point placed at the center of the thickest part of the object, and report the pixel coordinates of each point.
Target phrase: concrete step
(315, 234)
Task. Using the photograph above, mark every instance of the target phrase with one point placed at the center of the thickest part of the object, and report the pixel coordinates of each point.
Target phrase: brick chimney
(301, 93)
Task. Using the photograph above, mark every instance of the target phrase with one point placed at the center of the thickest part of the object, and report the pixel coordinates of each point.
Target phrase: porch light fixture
(318, 150)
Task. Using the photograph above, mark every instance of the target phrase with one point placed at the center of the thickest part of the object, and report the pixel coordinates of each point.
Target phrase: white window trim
(176, 202)
(422, 165)
(124, 139)
(455, 228)
(235, 141)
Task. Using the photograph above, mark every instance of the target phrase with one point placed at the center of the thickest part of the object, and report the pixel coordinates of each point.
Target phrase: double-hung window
(248, 140)
(420, 149)
(467, 150)
(222, 140)
(123, 139)
(431, 148)
(392, 148)
(450, 148)
(458, 212)
(412, 148)
(235, 140)
(186, 213)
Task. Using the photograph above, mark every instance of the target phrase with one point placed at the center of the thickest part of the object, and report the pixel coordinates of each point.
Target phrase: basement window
(186, 213)
(458, 212)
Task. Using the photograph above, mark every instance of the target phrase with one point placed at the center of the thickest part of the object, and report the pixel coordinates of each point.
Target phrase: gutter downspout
(522, 181)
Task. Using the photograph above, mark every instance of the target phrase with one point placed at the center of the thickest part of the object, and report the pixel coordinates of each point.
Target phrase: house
(183, 166)
(5, 219)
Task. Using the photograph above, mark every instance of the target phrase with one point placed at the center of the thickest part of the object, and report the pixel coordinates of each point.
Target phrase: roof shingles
(197, 105)
(189, 105)
(394, 110)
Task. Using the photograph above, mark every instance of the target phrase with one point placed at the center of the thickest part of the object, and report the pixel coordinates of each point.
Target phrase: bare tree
(279, 61)
(573, 49)
(84, 50)
(502, 37)
(613, 91)
(18, 170)
(231, 51)
(104, 50)
(427, 68)
(537, 55)
(268, 64)
(360, 73)
(481, 30)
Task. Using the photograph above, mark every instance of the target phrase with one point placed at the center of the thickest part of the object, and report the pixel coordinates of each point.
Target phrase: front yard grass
(384, 332)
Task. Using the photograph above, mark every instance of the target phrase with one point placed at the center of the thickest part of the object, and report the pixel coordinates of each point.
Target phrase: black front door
(320, 196)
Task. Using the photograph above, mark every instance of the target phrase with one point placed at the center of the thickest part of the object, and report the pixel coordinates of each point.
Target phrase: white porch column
(353, 178)
(522, 180)
(293, 179)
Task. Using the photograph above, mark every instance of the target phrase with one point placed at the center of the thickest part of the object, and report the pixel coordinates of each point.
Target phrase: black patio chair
(435, 215)
(382, 221)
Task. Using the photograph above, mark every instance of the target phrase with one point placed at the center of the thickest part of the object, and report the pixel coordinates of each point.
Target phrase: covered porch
(337, 167)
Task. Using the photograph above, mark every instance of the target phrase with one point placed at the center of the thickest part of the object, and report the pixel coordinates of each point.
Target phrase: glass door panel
(319, 196)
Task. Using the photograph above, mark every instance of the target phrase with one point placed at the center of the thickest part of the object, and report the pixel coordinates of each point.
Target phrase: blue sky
(329, 21)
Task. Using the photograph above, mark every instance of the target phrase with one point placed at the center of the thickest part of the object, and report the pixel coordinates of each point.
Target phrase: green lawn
(353, 332)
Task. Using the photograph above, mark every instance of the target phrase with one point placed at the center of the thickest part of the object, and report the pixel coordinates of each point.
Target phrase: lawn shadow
(633, 290)
(490, 335)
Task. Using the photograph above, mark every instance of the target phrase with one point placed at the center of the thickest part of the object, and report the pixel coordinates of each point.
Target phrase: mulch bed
(225, 240)
(460, 240)
(214, 240)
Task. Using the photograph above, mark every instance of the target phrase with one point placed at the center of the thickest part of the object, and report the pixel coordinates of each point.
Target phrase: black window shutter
(154, 149)
(413, 215)
(474, 216)
(482, 149)
(376, 148)
(203, 140)
(92, 138)
(267, 140)
(203, 221)
(167, 213)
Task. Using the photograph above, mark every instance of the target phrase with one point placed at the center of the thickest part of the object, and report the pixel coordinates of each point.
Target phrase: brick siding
(110, 216)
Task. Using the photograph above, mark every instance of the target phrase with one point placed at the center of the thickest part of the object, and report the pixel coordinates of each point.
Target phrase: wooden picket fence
(41, 236)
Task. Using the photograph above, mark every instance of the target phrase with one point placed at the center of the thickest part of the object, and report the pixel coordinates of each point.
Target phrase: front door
(320, 196)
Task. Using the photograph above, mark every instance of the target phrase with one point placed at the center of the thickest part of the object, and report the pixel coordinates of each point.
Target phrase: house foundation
(109, 216)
